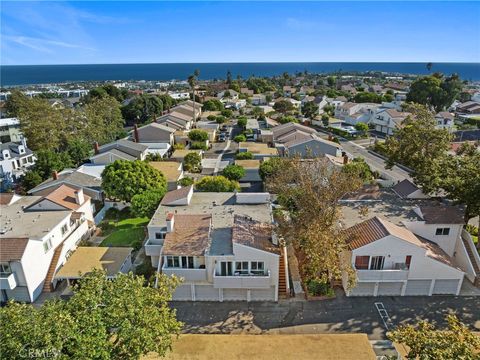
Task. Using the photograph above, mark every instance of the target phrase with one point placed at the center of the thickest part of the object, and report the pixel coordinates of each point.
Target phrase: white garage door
(363, 289)
(418, 287)
(263, 294)
(445, 287)
(183, 292)
(206, 293)
(389, 288)
(234, 294)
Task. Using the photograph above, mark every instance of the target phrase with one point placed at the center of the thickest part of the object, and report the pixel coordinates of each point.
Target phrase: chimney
(345, 159)
(135, 133)
(79, 198)
(55, 175)
(96, 148)
(170, 222)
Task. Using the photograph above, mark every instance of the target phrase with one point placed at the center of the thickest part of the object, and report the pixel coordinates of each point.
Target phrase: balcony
(8, 281)
(382, 275)
(186, 274)
(153, 247)
(242, 281)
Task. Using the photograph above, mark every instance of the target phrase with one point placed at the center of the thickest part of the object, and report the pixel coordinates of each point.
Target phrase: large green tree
(103, 120)
(49, 161)
(123, 318)
(16, 101)
(310, 109)
(425, 342)
(142, 108)
(435, 91)
(283, 106)
(146, 203)
(192, 162)
(122, 179)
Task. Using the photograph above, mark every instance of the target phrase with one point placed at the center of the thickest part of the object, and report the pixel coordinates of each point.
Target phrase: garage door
(418, 287)
(263, 294)
(363, 289)
(206, 293)
(234, 294)
(389, 288)
(445, 287)
(183, 292)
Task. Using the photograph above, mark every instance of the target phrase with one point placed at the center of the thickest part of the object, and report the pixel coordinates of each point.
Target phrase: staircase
(47, 286)
(282, 280)
(473, 261)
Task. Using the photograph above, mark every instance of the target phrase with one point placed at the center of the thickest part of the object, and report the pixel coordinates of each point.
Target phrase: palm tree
(192, 81)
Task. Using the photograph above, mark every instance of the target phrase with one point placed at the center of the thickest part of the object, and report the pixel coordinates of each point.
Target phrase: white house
(228, 94)
(15, 159)
(387, 120)
(179, 95)
(221, 244)
(10, 130)
(37, 235)
(407, 247)
(353, 113)
(445, 120)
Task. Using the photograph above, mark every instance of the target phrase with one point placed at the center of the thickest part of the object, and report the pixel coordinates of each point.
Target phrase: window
(226, 268)
(187, 262)
(159, 235)
(361, 262)
(377, 262)
(257, 267)
(408, 260)
(442, 231)
(5, 268)
(47, 245)
(241, 267)
(64, 229)
(173, 261)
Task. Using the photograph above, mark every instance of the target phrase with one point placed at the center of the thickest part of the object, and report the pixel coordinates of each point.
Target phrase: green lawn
(126, 232)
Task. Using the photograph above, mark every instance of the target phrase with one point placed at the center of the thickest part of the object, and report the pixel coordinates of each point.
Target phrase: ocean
(11, 75)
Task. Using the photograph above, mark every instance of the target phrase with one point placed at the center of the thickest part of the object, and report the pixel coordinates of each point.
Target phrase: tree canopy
(212, 105)
(283, 106)
(233, 172)
(146, 203)
(217, 184)
(435, 91)
(310, 109)
(122, 179)
(425, 342)
(122, 318)
(142, 108)
(246, 155)
(192, 162)
(198, 135)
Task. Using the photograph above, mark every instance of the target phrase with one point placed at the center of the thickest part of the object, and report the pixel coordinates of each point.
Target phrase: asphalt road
(341, 315)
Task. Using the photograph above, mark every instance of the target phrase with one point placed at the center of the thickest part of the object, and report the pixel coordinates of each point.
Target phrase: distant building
(15, 160)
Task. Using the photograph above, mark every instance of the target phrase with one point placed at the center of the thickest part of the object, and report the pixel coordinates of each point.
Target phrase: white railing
(153, 247)
(8, 281)
(385, 275)
(186, 274)
(242, 281)
(468, 239)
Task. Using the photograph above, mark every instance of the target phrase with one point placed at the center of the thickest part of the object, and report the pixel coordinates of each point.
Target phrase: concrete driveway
(340, 315)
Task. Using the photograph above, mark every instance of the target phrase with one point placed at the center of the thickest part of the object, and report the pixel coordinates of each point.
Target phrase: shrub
(198, 145)
(240, 138)
(186, 181)
(198, 135)
(211, 117)
(192, 162)
(178, 147)
(220, 119)
(233, 172)
(217, 184)
(227, 113)
(317, 287)
(107, 228)
(242, 121)
(247, 155)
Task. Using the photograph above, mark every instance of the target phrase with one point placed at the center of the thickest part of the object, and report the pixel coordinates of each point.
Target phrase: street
(340, 315)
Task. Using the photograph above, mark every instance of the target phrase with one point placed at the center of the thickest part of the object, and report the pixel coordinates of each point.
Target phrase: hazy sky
(156, 32)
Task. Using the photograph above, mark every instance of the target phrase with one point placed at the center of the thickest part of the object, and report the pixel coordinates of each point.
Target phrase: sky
(168, 32)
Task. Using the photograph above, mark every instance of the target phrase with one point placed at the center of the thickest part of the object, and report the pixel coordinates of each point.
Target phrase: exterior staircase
(48, 286)
(282, 280)
(473, 261)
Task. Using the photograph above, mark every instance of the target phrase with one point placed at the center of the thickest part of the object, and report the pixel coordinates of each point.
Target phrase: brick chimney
(79, 198)
(136, 137)
(55, 175)
(96, 148)
(170, 222)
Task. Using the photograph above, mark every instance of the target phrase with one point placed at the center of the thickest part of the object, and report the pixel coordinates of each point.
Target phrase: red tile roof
(190, 236)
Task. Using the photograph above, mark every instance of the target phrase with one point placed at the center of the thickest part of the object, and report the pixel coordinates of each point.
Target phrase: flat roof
(267, 347)
(223, 208)
(258, 148)
(86, 259)
(17, 221)
(171, 169)
(248, 164)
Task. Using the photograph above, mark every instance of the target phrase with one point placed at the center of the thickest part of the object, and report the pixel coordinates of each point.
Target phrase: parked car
(224, 128)
(222, 137)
